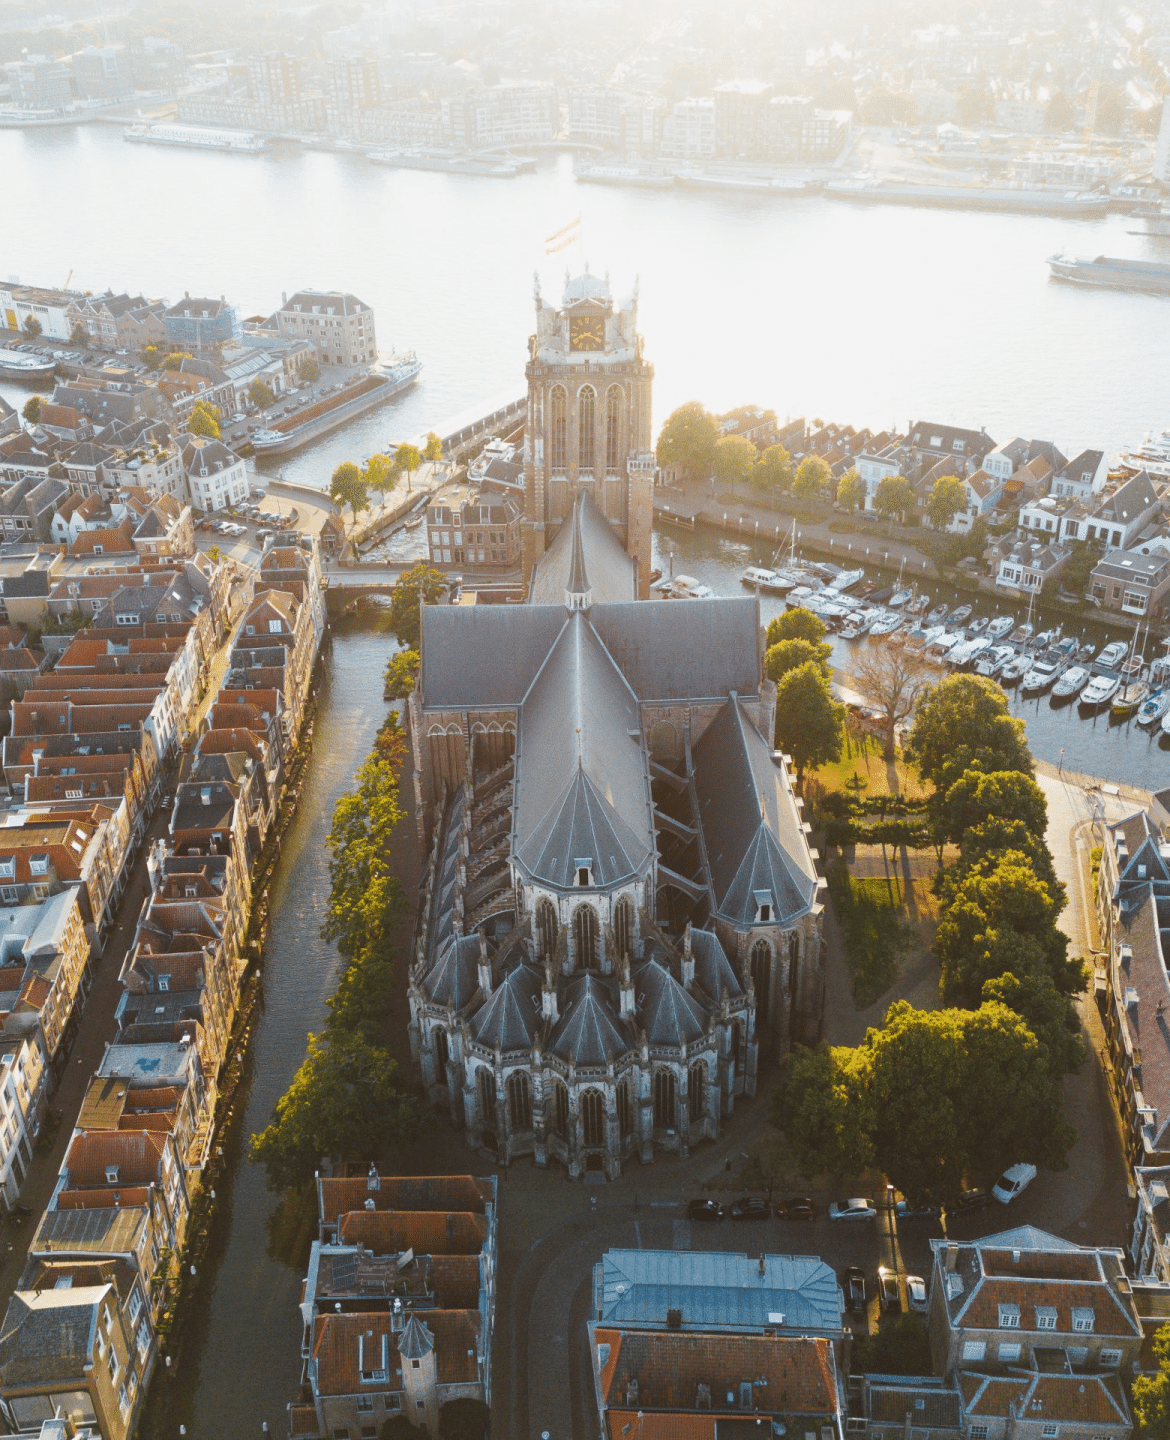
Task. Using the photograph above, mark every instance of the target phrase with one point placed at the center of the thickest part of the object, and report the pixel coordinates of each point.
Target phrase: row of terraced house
(125, 722)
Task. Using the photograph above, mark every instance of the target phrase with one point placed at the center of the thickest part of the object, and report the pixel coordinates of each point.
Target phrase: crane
(67, 280)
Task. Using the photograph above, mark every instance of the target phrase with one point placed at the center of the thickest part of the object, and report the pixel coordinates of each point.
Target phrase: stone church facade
(620, 907)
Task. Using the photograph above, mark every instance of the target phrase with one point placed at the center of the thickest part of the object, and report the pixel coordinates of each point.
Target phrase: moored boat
(1129, 699)
(1153, 708)
(1015, 670)
(1099, 691)
(1071, 683)
(992, 661)
(1000, 626)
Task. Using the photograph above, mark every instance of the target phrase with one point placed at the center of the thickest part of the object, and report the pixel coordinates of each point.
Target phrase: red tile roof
(426, 1232)
(137, 1154)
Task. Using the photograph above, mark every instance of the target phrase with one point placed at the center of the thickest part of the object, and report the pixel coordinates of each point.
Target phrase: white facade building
(24, 1078)
(216, 476)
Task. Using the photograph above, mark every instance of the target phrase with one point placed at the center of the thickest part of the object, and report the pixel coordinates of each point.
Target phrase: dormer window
(111, 1174)
(164, 982)
(584, 869)
(1082, 1318)
(1009, 1317)
(764, 907)
(1045, 1317)
(39, 864)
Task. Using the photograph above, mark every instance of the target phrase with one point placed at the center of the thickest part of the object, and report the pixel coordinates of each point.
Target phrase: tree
(948, 497)
(688, 440)
(347, 486)
(204, 420)
(796, 624)
(309, 373)
(345, 1103)
(1006, 795)
(810, 725)
(401, 674)
(1059, 115)
(32, 327)
(420, 585)
(821, 1107)
(1151, 1393)
(465, 1419)
(363, 996)
(32, 409)
(786, 655)
(174, 361)
(79, 337)
(152, 357)
(215, 553)
(900, 1347)
(850, 490)
(734, 459)
(1078, 568)
(774, 471)
(433, 449)
(981, 847)
(893, 496)
(1049, 1015)
(260, 394)
(813, 476)
(963, 723)
(407, 459)
(381, 475)
(892, 680)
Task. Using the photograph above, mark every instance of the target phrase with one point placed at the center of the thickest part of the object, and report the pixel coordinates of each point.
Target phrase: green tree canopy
(1151, 1393)
(1007, 795)
(813, 477)
(810, 724)
(79, 336)
(786, 655)
(980, 849)
(1049, 1015)
(796, 624)
(407, 459)
(32, 327)
(420, 585)
(346, 1102)
(464, 1419)
(309, 373)
(893, 496)
(174, 359)
(774, 472)
(927, 1096)
(963, 723)
(32, 409)
(261, 395)
(900, 1347)
(347, 486)
(401, 674)
(204, 420)
(433, 449)
(850, 490)
(948, 497)
(734, 460)
(688, 440)
(381, 475)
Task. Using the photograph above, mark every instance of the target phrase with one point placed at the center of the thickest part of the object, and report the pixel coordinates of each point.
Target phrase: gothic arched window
(560, 1110)
(665, 1100)
(486, 1085)
(586, 419)
(546, 929)
(593, 1118)
(442, 1052)
(613, 426)
(623, 926)
(519, 1101)
(556, 436)
(585, 937)
(760, 964)
(697, 1091)
(625, 1109)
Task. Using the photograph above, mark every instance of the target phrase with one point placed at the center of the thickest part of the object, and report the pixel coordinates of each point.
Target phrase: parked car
(852, 1210)
(704, 1210)
(889, 1296)
(916, 1293)
(750, 1207)
(1014, 1181)
(855, 1287)
(905, 1211)
(796, 1207)
(968, 1202)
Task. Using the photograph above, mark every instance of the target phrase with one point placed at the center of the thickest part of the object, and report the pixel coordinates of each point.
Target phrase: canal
(241, 1361)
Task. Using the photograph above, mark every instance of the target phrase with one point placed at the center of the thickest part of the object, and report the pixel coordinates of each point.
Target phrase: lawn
(863, 769)
(876, 932)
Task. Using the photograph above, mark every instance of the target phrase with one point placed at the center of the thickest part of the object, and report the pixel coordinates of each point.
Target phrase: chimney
(952, 1256)
(688, 960)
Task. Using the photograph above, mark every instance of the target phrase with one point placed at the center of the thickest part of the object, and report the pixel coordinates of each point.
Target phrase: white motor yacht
(1000, 626)
(1099, 691)
(992, 661)
(1015, 670)
(1072, 682)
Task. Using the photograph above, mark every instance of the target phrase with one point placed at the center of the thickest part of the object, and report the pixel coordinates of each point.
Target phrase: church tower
(588, 426)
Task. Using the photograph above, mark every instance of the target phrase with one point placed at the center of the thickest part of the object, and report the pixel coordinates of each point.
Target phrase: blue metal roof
(716, 1290)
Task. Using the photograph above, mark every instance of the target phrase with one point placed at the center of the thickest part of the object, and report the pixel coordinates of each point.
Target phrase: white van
(1014, 1180)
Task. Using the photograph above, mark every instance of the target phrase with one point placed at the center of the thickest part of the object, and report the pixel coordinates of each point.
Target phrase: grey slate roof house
(620, 904)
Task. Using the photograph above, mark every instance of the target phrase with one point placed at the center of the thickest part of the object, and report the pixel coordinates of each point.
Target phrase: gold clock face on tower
(586, 332)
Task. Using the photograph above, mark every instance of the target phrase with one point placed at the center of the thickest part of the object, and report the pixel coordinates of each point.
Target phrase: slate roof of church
(453, 979)
(585, 549)
(668, 1013)
(752, 830)
(582, 781)
(511, 1018)
(714, 972)
(588, 1033)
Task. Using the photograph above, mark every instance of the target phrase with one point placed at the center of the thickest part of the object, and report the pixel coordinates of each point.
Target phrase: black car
(855, 1287)
(750, 1207)
(796, 1207)
(704, 1210)
(905, 1211)
(889, 1296)
(968, 1202)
